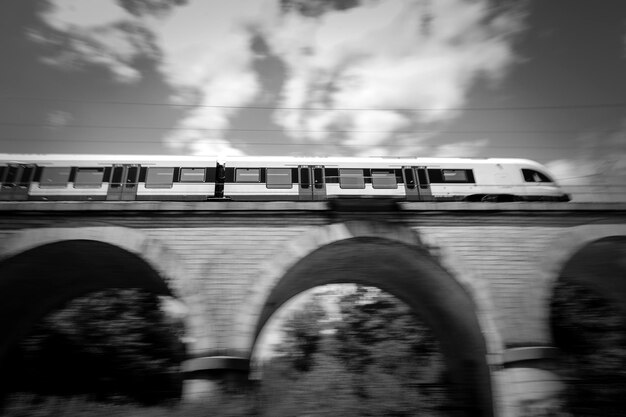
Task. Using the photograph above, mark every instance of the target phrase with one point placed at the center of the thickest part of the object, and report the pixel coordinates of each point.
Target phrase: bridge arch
(567, 254)
(570, 255)
(403, 263)
(138, 261)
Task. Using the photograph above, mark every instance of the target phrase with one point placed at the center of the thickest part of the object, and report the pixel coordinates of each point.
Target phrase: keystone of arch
(165, 262)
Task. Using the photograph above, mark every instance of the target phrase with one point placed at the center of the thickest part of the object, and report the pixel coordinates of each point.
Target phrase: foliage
(112, 345)
(303, 334)
(377, 359)
(30, 406)
(372, 358)
(591, 334)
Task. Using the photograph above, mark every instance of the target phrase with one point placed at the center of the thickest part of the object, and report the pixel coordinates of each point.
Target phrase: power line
(220, 141)
(117, 127)
(409, 109)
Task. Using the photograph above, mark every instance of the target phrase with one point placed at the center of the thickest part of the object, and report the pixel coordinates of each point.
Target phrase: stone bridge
(481, 275)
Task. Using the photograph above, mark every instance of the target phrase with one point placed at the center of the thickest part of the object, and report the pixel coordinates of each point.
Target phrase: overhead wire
(256, 107)
(174, 128)
(221, 141)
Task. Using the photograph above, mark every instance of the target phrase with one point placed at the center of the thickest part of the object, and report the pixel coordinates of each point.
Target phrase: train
(199, 178)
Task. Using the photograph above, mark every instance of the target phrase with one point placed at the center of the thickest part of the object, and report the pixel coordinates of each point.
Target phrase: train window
(11, 176)
(229, 174)
(192, 174)
(278, 178)
(131, 175)
(116, 178)
(305, 178)
(248, 175)
(384, 179)
(435, 175)
(531, 175)
(351, 178)
(332, 175)
(450, 175)
(159, 177)
(88, 177)
(318, 177)
(27, 175)
(212, 174)
(454, 175)
(422, 176)
(54, 177)
(409, 178)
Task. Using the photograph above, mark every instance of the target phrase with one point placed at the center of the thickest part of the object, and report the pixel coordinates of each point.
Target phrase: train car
(106, 177)
(413, 179)
(127, 177)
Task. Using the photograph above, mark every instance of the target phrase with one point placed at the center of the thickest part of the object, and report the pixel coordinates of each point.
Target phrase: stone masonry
(222, 259)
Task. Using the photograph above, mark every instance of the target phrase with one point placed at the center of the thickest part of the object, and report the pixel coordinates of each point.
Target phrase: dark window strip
(230, 175)
(210, 174)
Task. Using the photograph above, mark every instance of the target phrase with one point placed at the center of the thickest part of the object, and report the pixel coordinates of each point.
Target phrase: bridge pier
(208, 374)
(531, 386)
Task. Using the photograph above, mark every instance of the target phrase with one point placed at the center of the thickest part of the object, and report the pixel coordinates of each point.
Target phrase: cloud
(59, 118)
(460, 149)
(202, 49)
(598, 173)
(95, 33)
(382, 55)
(387, 55)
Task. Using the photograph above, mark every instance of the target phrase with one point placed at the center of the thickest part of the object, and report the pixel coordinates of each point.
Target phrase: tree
(395, 359)
(376, 359)
(110, 345)
(302, 335)
(590, 332)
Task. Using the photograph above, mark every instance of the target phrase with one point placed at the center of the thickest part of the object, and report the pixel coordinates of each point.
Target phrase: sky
(542, 79)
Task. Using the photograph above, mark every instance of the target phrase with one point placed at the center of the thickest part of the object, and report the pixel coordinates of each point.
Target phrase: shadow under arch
(586, 319)
(42, 279)
(411, 274)
(600, 265)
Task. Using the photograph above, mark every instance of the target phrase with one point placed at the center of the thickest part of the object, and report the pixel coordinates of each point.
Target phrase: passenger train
(196, 178)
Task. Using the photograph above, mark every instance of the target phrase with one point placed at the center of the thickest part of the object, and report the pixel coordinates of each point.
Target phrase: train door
(417, 184)
(312, 185)
(15, 181)
(123, 182)
(423, 183)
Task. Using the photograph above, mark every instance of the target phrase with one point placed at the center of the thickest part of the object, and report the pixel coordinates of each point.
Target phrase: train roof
(34, 158)
(102, 158)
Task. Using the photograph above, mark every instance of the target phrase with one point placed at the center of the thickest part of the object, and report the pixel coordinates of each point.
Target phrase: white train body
(130, 177)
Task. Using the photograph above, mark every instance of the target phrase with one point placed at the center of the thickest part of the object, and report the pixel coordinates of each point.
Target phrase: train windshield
(530, 175)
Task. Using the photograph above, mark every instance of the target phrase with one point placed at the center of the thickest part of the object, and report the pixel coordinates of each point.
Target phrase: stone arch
(563, 252)
(166, 269)
(588, 254)
(449, 305)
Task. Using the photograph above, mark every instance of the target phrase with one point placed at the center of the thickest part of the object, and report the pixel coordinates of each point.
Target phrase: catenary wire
(198, 105)
(221, 141)
(482, 131)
